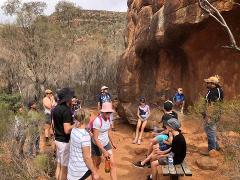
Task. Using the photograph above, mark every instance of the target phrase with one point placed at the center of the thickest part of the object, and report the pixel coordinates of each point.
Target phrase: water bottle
(107, 165)
(170, 159)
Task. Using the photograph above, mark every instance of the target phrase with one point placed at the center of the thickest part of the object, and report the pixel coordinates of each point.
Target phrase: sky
(109, 5)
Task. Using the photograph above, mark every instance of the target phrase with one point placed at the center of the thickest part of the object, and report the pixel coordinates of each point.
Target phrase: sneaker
(138, 164)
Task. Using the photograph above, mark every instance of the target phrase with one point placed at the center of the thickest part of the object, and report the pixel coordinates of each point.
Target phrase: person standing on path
(48, 104)
(143, 114)
(213, 111)
(80, 165)
(103, 97)
(102, 141)
(63, 124)
(179, 100)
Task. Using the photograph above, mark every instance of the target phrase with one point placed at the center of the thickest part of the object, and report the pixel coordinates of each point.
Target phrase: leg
(211, 136)
(150, 148)
(113, 171)
(154, 165)
(147, 159)
(58, 169)
(97, 161)
(63, 173)
(47, 131)
(142, 129)
(137, 129)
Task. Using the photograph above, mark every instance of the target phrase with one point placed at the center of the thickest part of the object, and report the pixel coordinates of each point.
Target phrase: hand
(106, 154)
(95, 176)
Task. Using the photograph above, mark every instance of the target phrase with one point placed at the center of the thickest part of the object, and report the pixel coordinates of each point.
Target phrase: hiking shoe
(138, 164)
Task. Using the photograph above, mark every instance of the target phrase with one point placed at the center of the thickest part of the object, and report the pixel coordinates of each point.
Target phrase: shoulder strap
(100, 117)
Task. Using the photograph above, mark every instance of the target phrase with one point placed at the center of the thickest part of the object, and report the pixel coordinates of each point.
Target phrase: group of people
(83, 140)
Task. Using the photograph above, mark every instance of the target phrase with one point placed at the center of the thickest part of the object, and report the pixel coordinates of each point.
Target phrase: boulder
(206, 163)
(172, 44)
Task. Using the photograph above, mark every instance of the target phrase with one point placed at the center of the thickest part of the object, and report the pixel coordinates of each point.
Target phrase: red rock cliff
(171, 44)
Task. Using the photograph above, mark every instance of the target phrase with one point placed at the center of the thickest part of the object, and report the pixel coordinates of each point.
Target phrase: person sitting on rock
(164, 141)
(143, 114)
(179, 100)
(178, 150)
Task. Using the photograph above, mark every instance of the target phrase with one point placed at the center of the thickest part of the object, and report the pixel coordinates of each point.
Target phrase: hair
(142, 99)
(82, 116)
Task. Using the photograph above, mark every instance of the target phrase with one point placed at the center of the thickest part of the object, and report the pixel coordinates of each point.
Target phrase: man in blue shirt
(179, 100)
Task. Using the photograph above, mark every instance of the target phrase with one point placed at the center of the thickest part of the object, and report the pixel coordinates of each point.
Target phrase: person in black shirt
(63, 124)
(213, 110)
(178, 150)
(169, 113)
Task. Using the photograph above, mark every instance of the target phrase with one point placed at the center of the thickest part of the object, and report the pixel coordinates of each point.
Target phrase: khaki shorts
(63, 151)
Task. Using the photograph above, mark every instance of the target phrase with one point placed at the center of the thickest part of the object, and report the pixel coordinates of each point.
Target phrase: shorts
(163, 161)
(48, 119)
(97, 152)
(63, 151)
(144, 117)
(86, 175)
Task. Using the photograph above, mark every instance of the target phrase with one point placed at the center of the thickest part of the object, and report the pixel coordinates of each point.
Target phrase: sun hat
(107, 107)
(174, 123)
(48, 91)
(213, 79)
(168, 105)
(104, 87)
(65, 95)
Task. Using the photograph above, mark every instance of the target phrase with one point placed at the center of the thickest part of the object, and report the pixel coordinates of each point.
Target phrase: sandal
(134, 141)
(139, 141)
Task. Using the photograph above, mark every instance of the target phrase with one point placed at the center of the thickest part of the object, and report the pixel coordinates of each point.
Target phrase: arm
(67, 128)
(88, 160)
(148, 112)
(169, 141)
(138, 114)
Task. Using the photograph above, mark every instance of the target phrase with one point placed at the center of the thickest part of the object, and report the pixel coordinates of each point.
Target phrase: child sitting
(164, 142)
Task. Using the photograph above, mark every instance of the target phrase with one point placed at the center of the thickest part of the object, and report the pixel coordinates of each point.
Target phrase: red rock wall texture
(171, 44)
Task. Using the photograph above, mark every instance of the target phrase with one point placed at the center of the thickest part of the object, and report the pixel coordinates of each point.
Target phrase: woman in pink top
(143, 113)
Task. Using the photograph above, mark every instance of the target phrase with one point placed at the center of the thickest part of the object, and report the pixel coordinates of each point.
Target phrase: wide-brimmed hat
(174, 123)
(213, 79)
(48, 91)
(107, 107)
(65, 95)
(104, 87)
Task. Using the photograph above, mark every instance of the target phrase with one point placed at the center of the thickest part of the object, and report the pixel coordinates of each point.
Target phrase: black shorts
(96, 151)
(48, 118)
(86, 175)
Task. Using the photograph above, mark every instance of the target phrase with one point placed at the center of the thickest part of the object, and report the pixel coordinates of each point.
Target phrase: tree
(213, 12)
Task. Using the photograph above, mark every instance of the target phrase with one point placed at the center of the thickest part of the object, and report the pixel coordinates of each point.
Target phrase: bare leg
(47, 130)
(154, 165)
(97, 161)
(58, 170)
(142, 129)
(137, 129)
(63, 173)
(147, 159)
(150, 148)
(113, 172)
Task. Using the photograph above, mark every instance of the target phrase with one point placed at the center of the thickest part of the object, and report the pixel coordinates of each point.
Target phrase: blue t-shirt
(104, 97)
(160, 138)
(179, 97)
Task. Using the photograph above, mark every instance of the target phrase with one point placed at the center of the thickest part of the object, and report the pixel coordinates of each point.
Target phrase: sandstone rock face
(207, 163)
(173, 44)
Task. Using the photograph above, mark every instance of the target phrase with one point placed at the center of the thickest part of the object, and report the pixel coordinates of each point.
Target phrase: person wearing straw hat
(103, 97)
(48, 104)
(102, 141)
(213, 111)
(63, 124)
(80, 164)
(179, 100)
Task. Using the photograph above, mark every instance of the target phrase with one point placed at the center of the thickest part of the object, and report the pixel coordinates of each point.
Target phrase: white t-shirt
(103, 130)
(77, 167)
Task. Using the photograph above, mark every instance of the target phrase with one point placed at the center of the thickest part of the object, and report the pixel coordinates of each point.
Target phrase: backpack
(92, 119)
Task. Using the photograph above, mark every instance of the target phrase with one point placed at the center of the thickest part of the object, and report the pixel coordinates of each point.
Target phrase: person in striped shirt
(80, 165)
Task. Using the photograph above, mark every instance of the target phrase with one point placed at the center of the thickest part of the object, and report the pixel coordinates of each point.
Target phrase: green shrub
(43, 163)
(5, 120)
(13, 101)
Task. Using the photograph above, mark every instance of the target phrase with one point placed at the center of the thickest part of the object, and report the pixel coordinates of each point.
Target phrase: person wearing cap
(179, 100)
(80, 164)
(48, 104)
(143, 114)
(178, 150)
(103, 97)
(213, 111)
(102, 141)
(63, 124)
(168, 113)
